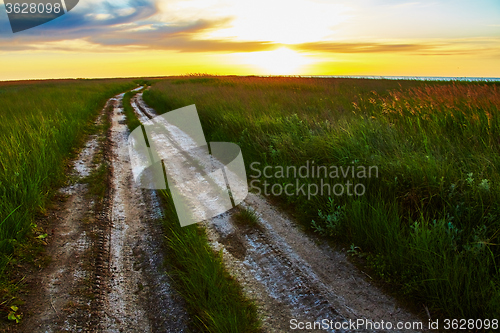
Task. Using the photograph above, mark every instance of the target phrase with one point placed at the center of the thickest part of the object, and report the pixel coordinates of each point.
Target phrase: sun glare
(282, 61)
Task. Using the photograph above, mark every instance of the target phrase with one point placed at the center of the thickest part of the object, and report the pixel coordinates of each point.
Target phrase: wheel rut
(138, 295)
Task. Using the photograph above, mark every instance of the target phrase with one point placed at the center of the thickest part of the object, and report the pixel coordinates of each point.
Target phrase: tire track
(139, 297)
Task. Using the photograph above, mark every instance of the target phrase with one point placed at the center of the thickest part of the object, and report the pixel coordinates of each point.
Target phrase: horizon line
(377, 77)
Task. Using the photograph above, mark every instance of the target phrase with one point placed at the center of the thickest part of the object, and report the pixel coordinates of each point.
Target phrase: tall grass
(431, 220)
(40, 126)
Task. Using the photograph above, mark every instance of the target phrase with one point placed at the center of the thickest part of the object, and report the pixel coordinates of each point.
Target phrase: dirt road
(107, 272)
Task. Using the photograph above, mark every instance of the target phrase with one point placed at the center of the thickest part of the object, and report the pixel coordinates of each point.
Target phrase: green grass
(247, 217)
(98, 180)
(130, 116)
(214, 298)
(41, 125)
(430, 222)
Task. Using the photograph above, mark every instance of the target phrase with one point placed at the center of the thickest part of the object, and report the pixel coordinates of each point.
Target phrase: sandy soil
(139, 296)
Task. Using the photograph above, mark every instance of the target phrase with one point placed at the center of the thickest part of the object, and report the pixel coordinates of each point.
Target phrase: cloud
(469, 46)
(341, 47)
(97, 18)
(122, 26)
(85, 20)
(180, 38)
(107, 27)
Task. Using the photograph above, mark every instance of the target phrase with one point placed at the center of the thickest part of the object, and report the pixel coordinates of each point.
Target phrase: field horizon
(372, 77)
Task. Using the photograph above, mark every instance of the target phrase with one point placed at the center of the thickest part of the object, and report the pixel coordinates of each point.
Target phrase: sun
(282, 61)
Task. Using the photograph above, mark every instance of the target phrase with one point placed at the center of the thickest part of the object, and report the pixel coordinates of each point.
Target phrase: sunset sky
(287, 37)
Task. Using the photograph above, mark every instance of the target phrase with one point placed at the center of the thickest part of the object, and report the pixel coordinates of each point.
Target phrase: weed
(354, 250)
(13, 315)
(331, 221)
(248, 217)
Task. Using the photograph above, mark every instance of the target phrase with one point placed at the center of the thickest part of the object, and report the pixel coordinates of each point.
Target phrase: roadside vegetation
(247, 217)
(430, 222)
(130, 116)
(98, 179)
(214, 298)
(42, 123)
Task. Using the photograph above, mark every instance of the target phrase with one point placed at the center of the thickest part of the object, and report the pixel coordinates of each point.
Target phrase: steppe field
(369, 199)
